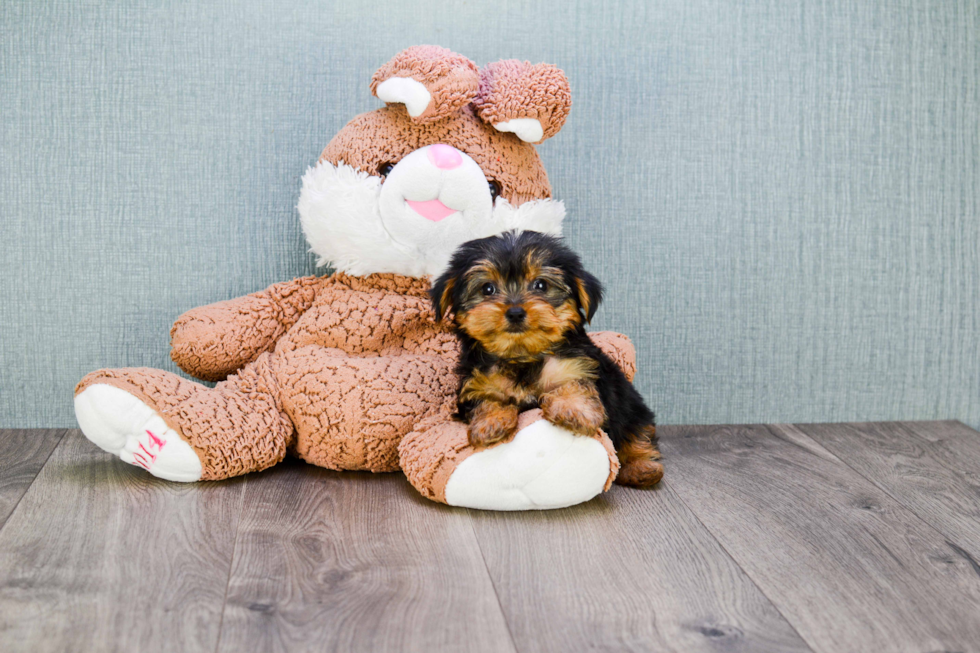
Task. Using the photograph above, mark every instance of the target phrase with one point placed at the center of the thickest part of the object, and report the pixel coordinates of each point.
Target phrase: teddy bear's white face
(411, 220)
(435, 197)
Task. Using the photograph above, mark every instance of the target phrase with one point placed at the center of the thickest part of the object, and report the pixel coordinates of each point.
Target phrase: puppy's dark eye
(539, 285)
(488, 289)
(494, 189)
(385, 168)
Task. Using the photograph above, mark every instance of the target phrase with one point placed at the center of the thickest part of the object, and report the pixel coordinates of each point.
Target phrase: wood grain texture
(332, 561)
(760, 539)
(100, 556)
(630, 571)
(931, 468)
(22, 454)
(849, 567)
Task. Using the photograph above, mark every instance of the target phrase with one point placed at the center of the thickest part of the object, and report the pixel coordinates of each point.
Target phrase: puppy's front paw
(492, 422)
(576, 407)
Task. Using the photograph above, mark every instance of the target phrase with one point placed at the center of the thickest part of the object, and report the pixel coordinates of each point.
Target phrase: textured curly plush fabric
(203, 346)
(514, 164)
(339, 386)
(512, 89)
(619, 348)
(451, 79)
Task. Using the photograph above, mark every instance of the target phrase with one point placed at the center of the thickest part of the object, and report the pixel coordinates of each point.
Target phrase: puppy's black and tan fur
(520, 301)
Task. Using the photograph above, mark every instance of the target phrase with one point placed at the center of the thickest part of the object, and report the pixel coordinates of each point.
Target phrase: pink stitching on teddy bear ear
(432, 82)
(532, 101)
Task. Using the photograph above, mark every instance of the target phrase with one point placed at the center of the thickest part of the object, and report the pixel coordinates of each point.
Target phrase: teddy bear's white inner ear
(414, 95)
(528, 130)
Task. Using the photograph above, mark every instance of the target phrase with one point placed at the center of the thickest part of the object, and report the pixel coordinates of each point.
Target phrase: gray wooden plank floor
(101, 556)
(329, 561)
(841, 537)
(845, 563)
(22, 455)
(629, 571)
(932, 468)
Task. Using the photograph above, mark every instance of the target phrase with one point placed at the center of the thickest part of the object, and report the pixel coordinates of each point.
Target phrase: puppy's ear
(442, 295)
(588, 291)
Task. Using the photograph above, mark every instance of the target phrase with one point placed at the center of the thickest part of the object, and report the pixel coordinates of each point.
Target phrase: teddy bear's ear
(531, 101)
(431, 82)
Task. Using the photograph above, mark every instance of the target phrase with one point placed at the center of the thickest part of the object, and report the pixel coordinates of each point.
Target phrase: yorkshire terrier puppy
(519, 303)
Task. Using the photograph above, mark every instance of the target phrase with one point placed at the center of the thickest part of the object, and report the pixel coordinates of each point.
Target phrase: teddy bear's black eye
(539, 285)
(385, 168)
(489, 289)
(494, 189)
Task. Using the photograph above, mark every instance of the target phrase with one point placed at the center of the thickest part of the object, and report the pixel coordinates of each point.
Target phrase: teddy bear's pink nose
(444, 157)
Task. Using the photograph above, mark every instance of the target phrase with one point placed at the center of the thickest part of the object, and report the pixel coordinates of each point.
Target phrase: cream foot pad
(121, 424)
(542, 467)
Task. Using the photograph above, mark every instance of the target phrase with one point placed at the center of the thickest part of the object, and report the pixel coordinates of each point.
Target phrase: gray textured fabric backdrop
(782, 197)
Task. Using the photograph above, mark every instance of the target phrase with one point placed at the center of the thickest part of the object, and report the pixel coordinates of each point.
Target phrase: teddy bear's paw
(121, 424)
(543, 467)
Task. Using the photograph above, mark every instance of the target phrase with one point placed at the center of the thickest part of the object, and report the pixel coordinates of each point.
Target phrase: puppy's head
(517, 294)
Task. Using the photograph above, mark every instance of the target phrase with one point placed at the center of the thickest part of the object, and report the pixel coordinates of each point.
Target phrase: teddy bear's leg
(351, 412)
(544, 466)
(180, 430)
(118, 422)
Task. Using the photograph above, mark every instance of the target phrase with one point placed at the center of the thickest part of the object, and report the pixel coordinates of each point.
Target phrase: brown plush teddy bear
(351, 371)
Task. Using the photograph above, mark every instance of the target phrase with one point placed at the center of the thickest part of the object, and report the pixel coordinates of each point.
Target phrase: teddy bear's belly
(351, 412)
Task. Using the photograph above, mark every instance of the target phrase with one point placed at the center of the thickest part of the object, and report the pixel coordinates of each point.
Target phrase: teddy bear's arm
(210, 342)
(619, 348)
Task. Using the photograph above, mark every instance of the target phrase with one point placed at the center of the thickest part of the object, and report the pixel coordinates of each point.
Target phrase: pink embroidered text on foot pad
(123, 425)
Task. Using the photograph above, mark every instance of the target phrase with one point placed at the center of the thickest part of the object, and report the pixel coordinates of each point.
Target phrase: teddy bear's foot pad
(543, 467)
(121, 424)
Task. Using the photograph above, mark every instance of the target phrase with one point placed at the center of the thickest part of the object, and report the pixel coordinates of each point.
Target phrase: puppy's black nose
(515, 314)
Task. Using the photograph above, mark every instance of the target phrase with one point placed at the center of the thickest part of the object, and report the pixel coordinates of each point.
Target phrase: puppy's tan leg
(491, 422)
(574, 406)
(639, 461)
